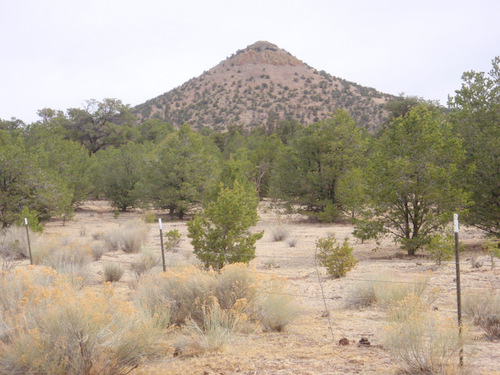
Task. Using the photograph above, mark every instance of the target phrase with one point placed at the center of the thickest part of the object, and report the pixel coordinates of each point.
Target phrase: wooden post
(28, 237)
(162, 247)
(459, 296)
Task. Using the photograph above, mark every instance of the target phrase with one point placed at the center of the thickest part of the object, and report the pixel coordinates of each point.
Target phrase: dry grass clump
(112, 271)
(279, 233)
(58, 330)
(14, 242)
(182, 297)
(213, 334)
(275, 307)
(97, 250)
(130, 239)
(421, 341)
(147, 260)
(67, 258)
(386, 289)
(483, 308)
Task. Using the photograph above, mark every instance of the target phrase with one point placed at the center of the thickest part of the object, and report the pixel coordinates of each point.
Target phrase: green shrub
(220, 234)
(441, 247)
(338, 260)
(172, 240)
(368, 230)
(149, 217)
(493, 249)
(330, 213)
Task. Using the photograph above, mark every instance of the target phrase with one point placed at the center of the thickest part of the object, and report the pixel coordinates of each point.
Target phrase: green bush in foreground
(337, 259)
(220, 233)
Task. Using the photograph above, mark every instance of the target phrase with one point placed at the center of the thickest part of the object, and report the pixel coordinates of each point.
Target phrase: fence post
(28, 237)
(459, 297)
(162, 247)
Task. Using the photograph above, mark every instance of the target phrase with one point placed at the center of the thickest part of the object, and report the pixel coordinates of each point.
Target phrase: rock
(364, 341)
(344, 341)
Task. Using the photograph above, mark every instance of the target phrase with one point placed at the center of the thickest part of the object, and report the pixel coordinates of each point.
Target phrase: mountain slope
(260, 85)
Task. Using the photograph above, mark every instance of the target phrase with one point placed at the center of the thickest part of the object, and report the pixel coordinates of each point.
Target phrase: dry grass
(276, 309)
(386, 289)
(112, 271)
(483, 308)
(130, 238)
(213, 334)
(61, 331)
(279, 233)
(14, 242)
(97, 250)
(147, 260)
(67, 258)
(421, 341)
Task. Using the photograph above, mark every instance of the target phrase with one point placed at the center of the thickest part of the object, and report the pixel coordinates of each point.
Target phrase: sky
(59, 53)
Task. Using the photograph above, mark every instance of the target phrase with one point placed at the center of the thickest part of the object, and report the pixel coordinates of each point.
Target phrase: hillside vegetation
(261, 85)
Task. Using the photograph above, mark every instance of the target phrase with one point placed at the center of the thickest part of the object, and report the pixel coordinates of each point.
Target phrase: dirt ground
(307, 346)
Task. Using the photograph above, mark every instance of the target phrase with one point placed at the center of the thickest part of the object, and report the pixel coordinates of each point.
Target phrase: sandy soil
(307, 346)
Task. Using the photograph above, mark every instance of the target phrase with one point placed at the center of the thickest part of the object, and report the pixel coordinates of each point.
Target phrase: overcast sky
(59, 53)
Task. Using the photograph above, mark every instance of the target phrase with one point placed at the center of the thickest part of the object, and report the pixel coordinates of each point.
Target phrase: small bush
(441, 247)
(483, 308)
(134, 236)
(149, 217)
(112, 272)
(147, 260)
(390, 290)
(493, 249)
(212, 335)
(112, 240)
(14, 242)
(420, 341)
(292, 241)
(172, 240)
(386, 289)
(60, 331)
(181, 293)
(368, 230)
(338, 260)
(70, 259)
(97, 250)
(275, 307)
(330, 213)
(129, 239)
(279, 233)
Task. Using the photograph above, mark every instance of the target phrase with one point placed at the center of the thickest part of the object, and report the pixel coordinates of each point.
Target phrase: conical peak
(263, 52)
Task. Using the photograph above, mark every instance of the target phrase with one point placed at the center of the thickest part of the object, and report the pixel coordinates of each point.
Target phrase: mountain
(260, 85)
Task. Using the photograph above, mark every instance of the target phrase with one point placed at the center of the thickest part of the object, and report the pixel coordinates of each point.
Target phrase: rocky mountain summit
(259, 86)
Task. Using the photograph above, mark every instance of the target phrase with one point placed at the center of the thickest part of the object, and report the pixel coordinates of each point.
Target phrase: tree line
(406, 180)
